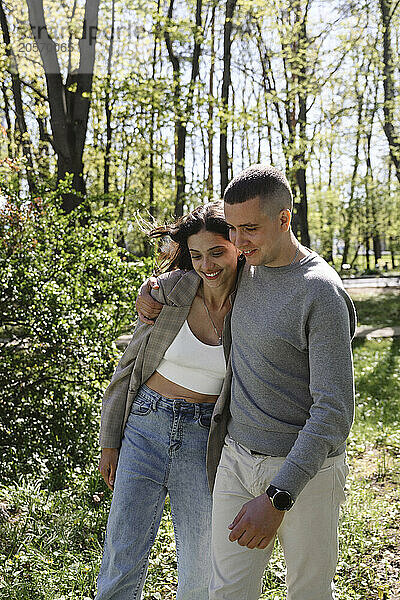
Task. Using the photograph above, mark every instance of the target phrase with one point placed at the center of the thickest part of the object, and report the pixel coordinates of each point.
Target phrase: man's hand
(108, 465)
(256, 523)
(147, 308)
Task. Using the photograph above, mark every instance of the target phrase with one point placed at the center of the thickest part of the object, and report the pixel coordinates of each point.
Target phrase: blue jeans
(163, 451)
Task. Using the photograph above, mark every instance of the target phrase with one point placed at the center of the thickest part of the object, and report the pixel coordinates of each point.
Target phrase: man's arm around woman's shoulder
(154, 293)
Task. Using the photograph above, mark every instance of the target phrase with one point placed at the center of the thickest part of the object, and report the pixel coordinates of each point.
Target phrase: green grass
(51, 543)
(369, 565)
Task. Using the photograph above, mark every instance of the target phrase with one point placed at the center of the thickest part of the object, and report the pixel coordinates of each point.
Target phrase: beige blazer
(143, 355)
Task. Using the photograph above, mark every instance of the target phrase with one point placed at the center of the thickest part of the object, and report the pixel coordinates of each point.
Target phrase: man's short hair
(265, 182)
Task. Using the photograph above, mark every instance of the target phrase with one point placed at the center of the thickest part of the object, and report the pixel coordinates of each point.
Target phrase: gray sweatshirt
(292, 386)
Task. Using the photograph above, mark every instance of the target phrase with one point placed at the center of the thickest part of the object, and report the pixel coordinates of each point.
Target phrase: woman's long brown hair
(174, 254)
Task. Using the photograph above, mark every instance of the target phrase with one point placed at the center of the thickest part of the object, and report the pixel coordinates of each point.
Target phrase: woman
(159, 402)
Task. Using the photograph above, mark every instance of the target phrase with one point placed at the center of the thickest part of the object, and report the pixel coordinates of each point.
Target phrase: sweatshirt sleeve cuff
(291, 478)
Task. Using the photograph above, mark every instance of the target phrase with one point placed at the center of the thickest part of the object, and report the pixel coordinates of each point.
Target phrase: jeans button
(218, 418)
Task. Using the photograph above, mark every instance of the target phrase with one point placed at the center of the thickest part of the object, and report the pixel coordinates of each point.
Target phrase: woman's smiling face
(214, 258)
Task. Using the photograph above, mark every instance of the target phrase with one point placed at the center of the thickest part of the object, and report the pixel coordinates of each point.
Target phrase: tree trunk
(106, 178)
(289, 145)
(300, 160)
(226, 81)
(301, 216)
(8, 120)
(351, 208)
(152, 206)
(182, 114)
(210, 127)
(180, 174)
(24, 138)
(392, 252)
(366, 244)
(376, 241)
(389, 86)
(69, 103)
(269, 85)
(350, 212)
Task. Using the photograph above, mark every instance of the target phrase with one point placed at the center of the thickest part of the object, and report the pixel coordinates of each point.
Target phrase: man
(279, 427)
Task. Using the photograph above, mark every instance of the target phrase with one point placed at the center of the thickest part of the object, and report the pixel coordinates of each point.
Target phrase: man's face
(257, 235)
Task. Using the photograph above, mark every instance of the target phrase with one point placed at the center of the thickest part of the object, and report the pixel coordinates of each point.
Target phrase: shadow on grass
(377, 374)
(378, 309)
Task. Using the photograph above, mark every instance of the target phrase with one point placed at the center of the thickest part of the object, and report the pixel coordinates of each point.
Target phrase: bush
(66, 293)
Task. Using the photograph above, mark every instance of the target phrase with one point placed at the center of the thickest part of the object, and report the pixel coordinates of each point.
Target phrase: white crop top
(192, 364)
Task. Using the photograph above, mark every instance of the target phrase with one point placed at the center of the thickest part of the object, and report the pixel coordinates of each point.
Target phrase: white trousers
(307, 534)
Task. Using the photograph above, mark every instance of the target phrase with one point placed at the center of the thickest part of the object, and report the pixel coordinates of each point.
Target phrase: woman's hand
(108, 465)
(147, 308)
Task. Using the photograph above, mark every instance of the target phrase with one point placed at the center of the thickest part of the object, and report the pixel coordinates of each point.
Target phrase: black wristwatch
(280, 499)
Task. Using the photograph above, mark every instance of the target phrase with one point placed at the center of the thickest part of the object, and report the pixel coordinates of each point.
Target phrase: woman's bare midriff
(169, 389)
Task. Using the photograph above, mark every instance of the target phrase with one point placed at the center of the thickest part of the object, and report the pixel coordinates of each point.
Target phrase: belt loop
(154, 403)
(196, 411)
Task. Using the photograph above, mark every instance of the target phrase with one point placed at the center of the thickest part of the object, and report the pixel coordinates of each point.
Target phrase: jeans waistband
(196, 407)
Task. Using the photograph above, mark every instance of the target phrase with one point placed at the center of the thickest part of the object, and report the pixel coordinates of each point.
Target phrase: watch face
(282, 500)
